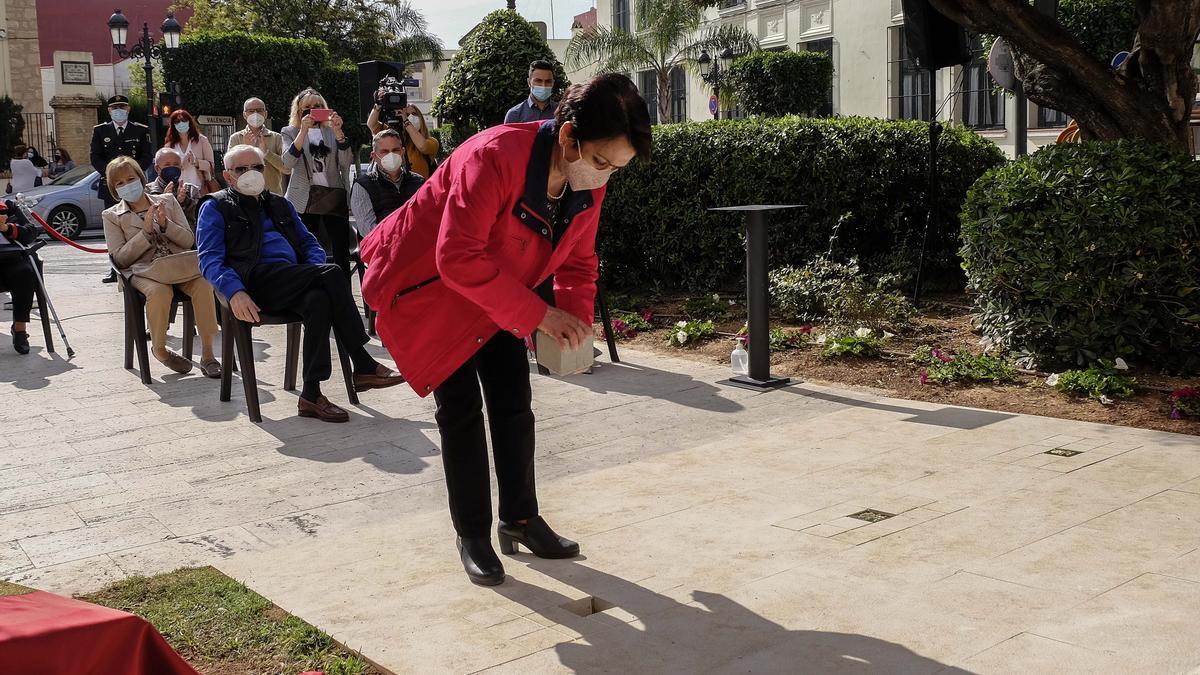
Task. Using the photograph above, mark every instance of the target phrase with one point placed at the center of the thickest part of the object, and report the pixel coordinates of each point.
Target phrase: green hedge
(867, 174)
(1088, 251)
(781, 83)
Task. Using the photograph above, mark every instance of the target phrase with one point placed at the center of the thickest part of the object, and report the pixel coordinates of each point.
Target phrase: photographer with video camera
(16, 274)
(392, 110)
(319, 156)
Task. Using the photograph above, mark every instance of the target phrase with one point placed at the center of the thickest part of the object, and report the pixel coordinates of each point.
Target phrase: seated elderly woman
(16, 274)
(149, 236)
(168, 165)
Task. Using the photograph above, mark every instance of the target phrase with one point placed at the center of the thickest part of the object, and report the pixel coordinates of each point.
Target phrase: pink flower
(619, 326)
(647, 316)
(941, 356)
(924, 376)
(806, 328)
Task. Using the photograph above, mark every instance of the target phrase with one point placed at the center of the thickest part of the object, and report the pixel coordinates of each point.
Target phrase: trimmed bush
(12, 127)
(490, 74)
(864, 177)
(838, 294)
(781, 83)
(1089, 250)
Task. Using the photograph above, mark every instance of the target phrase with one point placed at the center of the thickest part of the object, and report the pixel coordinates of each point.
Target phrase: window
(678, 95)
(1048, 118)
(911, 87)
(824, 47)
(648, 86)
(982, 103)
(621, 15)
(731, 4)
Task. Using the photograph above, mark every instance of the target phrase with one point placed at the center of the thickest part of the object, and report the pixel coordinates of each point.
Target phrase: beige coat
(276, 169)
(129, 244)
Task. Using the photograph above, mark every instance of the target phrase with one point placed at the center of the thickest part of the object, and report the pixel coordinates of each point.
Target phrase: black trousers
(320, 294)
(17, 277)
(334, 234)
(501, 366)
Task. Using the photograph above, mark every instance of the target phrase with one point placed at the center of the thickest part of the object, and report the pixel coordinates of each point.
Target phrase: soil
(944, 323)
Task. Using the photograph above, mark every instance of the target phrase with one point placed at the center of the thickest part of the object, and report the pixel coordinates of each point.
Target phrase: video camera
(391, 98)
(383, 83)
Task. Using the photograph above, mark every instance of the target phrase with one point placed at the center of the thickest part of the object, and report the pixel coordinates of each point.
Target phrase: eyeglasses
(239, 170)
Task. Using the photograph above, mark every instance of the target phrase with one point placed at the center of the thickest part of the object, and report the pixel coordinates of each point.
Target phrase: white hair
(239, 149)
(163, 152)
(249, 100)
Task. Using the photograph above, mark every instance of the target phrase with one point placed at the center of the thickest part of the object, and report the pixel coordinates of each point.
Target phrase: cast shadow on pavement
(33, 370)
(720, 636)
(638, 380)
(955, 418)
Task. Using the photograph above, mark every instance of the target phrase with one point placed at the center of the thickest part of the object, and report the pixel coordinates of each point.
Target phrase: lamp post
(718, 68)
(118, 27)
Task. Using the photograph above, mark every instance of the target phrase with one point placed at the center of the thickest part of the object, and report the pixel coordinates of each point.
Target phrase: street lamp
(118, 27)
(717, 70)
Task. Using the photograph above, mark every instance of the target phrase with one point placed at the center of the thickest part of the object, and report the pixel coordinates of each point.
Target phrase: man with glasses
(256, 252)
(256, 133)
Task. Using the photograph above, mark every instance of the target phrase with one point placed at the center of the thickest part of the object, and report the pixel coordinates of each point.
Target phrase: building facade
(873, 76)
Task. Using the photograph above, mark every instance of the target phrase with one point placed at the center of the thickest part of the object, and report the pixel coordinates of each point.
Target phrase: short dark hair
(607, 106)
(540, 64)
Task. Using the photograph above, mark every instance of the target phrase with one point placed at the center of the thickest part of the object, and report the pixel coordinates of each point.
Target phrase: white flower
(1120, 364)
(863, 332)
(732, 303)
(888, 336)
(681, 324)
(681, 336)
(716, 297)
(1052, 380)
(1105, 400)
(1025, 362)
(821, 339)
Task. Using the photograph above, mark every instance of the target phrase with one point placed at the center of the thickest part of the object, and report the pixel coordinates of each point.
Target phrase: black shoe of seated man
(479, 560)
(110, 279)
(536, 536)
(21, 341)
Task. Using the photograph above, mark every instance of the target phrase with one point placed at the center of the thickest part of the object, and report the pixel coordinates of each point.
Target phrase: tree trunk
(1151, 95)
(664, 95)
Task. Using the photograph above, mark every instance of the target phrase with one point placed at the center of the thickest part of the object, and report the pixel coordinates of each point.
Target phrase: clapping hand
(180, 192)
(152, 213)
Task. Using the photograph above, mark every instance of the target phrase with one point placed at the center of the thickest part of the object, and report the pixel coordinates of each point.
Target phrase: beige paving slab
(1037, 655)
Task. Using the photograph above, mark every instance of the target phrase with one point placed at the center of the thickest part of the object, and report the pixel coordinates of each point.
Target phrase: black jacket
(27, 232)
(244, 229)
(107, 146)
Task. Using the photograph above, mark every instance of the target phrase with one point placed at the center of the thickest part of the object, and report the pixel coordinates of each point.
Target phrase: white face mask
(415, 120)
(255, 120)
(391, 161)
(251, 183)
(582, 175)
(131, 192)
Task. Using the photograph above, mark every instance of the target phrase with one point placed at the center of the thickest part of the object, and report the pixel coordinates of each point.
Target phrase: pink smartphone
(321, 114)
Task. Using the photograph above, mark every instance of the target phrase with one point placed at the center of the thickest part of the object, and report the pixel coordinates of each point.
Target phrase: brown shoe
(383, 378)
(322, 410)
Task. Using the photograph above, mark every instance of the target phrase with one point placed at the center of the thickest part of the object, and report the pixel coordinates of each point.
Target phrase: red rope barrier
(54, 233)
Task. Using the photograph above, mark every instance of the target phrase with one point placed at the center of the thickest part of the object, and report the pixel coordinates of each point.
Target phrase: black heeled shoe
(536, 536)
(480, 561)
(21, 341)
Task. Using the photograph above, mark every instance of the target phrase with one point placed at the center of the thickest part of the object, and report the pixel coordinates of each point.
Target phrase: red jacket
(457, 262)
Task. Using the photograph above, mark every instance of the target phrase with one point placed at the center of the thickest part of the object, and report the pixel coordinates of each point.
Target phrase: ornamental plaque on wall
(76, 72)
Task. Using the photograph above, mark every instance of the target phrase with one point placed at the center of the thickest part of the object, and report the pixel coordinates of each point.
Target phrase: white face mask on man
(391, 161)
(251, 183)
(255, 120)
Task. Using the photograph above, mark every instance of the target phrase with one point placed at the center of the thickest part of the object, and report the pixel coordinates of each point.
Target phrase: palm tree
(410, 39)
(668, 35)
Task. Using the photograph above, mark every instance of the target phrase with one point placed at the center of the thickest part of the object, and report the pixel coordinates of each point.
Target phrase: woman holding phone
(319, 156)
(451, 272)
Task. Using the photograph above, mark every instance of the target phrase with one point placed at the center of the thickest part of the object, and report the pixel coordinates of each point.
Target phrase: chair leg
(245, 351)
(44, 314)
(189, 332)
(139, 342)
(347, 371)
(129, 328)
(291, 357)
(607, 321)
(227, 360)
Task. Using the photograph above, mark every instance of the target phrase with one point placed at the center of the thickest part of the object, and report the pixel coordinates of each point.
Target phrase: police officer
(114, 139)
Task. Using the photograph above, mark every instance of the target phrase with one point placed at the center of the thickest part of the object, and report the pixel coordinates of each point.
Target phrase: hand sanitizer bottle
(740, 358)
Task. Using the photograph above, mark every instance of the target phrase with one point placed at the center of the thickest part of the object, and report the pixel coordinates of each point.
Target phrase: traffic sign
(712, 104)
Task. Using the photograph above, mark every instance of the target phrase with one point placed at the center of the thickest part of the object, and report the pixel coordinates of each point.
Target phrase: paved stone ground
(715, 522)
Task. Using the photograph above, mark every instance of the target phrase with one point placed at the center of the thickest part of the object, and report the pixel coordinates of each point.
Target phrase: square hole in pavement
(871, 515)
(1062, 452)
(587, 606)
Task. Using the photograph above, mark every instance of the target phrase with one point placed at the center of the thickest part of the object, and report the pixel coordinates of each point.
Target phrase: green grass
(12, 589)
(219, 624)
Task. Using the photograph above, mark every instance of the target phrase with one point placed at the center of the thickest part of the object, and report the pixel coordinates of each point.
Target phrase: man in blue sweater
(255, 251)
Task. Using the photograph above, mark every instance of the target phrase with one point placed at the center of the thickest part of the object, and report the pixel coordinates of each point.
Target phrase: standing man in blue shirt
(255, 251)
(539, 106)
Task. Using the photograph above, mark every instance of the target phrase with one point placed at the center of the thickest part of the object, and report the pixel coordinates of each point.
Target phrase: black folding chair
(135, 323)
(360, 268)
(237, 333)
